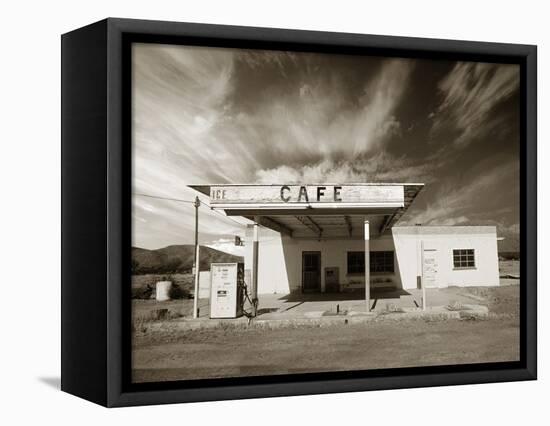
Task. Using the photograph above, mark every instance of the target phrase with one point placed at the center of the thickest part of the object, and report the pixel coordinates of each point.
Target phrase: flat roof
(205, 188)
(315, 210)
(444, 229)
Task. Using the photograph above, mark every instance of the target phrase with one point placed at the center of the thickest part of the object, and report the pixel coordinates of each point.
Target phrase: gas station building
(333, 238)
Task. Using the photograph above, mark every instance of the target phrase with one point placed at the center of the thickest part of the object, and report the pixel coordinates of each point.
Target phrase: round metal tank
(163, 290)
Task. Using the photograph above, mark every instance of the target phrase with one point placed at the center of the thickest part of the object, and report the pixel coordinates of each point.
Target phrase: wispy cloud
(471, 91)
(209, 115)
(466, 201)
(190, 126)
(379, 167)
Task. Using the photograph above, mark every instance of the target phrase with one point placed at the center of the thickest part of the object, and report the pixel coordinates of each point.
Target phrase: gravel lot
(228, 352)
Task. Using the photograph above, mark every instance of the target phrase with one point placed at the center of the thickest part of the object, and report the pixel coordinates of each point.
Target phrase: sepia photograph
(299, 212)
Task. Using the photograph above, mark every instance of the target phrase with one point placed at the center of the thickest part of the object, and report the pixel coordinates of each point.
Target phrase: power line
(179, 200)
(164, 198)
(227, 217)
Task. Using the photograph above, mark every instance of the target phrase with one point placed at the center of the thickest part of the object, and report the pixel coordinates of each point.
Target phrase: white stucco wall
(280, 257)
(280, 260)
(444, 239)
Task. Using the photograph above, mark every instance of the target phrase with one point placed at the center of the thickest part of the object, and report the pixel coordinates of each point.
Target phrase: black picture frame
(96, 212)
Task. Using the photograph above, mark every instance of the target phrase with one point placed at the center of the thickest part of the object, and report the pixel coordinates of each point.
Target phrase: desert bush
(142, 292)
(135, 266)
(455, 305)
(393, 308)
(160, 314)
(177, 292)
(139, 325)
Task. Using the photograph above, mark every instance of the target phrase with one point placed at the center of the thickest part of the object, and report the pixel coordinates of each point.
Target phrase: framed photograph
(255, 212)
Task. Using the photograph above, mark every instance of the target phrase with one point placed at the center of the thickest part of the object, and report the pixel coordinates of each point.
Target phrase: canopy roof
(323, 210)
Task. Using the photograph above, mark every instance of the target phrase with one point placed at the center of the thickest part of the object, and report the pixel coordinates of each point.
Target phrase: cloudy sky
(209, 115)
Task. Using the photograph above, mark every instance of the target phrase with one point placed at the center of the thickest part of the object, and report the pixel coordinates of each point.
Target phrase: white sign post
(423, 277)
(429, 271)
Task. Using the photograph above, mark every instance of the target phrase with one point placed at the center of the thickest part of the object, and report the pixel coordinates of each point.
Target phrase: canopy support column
(197, 261)
(367, 265)
(255, 246)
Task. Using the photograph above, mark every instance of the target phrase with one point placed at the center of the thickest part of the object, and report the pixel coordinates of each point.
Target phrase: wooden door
(311, 271)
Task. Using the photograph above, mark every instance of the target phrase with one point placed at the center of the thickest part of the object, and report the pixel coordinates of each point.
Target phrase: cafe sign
(307, 194)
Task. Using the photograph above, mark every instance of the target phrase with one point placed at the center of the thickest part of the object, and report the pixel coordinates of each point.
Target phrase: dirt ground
(228, 352)
(508, 267)
(507, 270)
(250, 352)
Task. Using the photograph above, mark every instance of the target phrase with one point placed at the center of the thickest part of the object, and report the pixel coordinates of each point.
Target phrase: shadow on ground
(381, 293)
(54, 382)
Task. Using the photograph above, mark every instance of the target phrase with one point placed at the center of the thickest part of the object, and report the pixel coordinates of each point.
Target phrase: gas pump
(227, 290)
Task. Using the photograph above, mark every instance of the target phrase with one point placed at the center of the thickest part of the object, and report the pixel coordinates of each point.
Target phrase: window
(464, 258)
(356, 262)
(380, 262)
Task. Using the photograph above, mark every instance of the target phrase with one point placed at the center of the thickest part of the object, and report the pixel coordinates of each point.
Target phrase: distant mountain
(177, 259)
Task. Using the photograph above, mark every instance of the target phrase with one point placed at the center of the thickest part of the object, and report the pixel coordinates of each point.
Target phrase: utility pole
(367, 264)
(255, 246)
(197, 203)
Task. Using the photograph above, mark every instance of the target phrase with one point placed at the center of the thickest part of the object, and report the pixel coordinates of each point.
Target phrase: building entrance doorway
(311, 271)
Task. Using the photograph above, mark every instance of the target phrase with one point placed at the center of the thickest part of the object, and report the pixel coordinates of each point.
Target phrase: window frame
(361, 270)
(385, 255)
(466, 259)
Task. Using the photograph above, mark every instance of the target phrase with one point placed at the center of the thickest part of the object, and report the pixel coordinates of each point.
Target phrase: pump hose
(245, 298)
